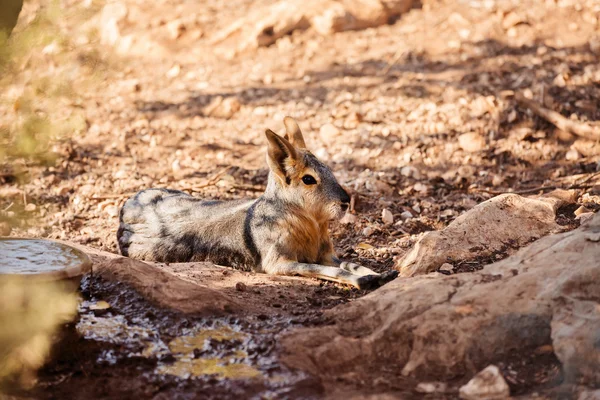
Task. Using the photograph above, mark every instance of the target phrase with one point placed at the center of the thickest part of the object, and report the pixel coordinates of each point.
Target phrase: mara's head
(298, 176)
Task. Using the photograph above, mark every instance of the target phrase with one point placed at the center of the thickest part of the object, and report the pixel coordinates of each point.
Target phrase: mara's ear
(280, 156)
(293, 133)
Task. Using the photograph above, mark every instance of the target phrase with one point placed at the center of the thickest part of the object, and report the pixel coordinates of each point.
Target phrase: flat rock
(449, 326)
(501, 224)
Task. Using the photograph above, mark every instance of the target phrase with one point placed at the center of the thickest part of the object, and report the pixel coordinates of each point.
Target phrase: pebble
(431, 387)
(121, 174)
(471, 142)
(405, 215)
(582, 210)
(349, 219)
(420, 187)
(329, 131)
(387, 217)
(584, 218)
(488, 384)
(368, 231)
(174, 71)
(112, 211)
(447, 267)
(240, 287)
(30, 207)
(572, 155)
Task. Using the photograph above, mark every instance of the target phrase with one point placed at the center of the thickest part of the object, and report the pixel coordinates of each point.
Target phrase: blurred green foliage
(30, 315)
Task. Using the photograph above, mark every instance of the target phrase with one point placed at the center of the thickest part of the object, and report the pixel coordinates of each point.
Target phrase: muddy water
(19, 256)
(141, 350)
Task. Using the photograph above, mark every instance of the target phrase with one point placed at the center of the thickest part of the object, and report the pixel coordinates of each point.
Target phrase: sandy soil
(416, 117)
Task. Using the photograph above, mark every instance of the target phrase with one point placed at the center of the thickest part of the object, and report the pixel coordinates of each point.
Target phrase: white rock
(431, 387)
(329, 131)
(584, 218)
(112, 211)
(447, 267)
(410, 172)
(175, 29)
(572, 155)
(121, 174)
(420, 187)
(349, 219)
(387, 217)
(471, 142)
(368, 231)
(488, 384)
(322, 154)
(406, 215)
(174, 71)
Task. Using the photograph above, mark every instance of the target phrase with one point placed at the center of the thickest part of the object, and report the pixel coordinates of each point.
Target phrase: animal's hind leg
(143, 224)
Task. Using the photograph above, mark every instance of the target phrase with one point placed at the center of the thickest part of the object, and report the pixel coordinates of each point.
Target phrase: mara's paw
(368, 282)
(371, 282)
(387, 276)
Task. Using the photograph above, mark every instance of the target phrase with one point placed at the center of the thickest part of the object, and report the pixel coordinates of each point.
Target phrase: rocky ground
(417, 118)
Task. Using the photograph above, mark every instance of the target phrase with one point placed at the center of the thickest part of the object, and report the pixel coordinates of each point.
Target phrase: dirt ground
(417, 117)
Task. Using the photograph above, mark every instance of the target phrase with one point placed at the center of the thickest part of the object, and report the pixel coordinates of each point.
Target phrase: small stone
(241, 287)
(112, 211)
(223, 107)
(447, 213)
(30, 207)
(584, 218)
(176, 165)
(447, 267)
(410, 172)
(175, 29)
(174, 71)
(368, 231)
(497, 180)
(329, 131)
(420, 187)
(471, 142)
(349, 219)
(488, 384)
(387, 217)
(431, 387)
(582, 210)
(352, 120)
(406, 215)
(572, 155)
(121, 174)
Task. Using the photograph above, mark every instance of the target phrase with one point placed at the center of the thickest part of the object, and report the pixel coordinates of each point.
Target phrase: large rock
(447, 326)
(499, 225)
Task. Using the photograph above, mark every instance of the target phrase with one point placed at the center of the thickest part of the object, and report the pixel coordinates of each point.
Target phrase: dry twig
(575, 127)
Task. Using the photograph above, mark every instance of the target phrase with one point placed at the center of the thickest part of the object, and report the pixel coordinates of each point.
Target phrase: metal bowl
(42, 260)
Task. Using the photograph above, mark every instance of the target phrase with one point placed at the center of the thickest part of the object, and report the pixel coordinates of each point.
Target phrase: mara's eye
(309, 180)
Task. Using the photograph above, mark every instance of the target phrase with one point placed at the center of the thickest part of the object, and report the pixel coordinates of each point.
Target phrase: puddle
(187, 367)
(30, 256)
(135, 344)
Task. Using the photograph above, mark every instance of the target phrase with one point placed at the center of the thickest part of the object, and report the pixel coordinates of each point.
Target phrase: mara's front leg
(328, 258)
(328, 273)
(284, 266)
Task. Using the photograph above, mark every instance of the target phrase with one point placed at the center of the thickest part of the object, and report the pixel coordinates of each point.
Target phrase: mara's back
(171, 226)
